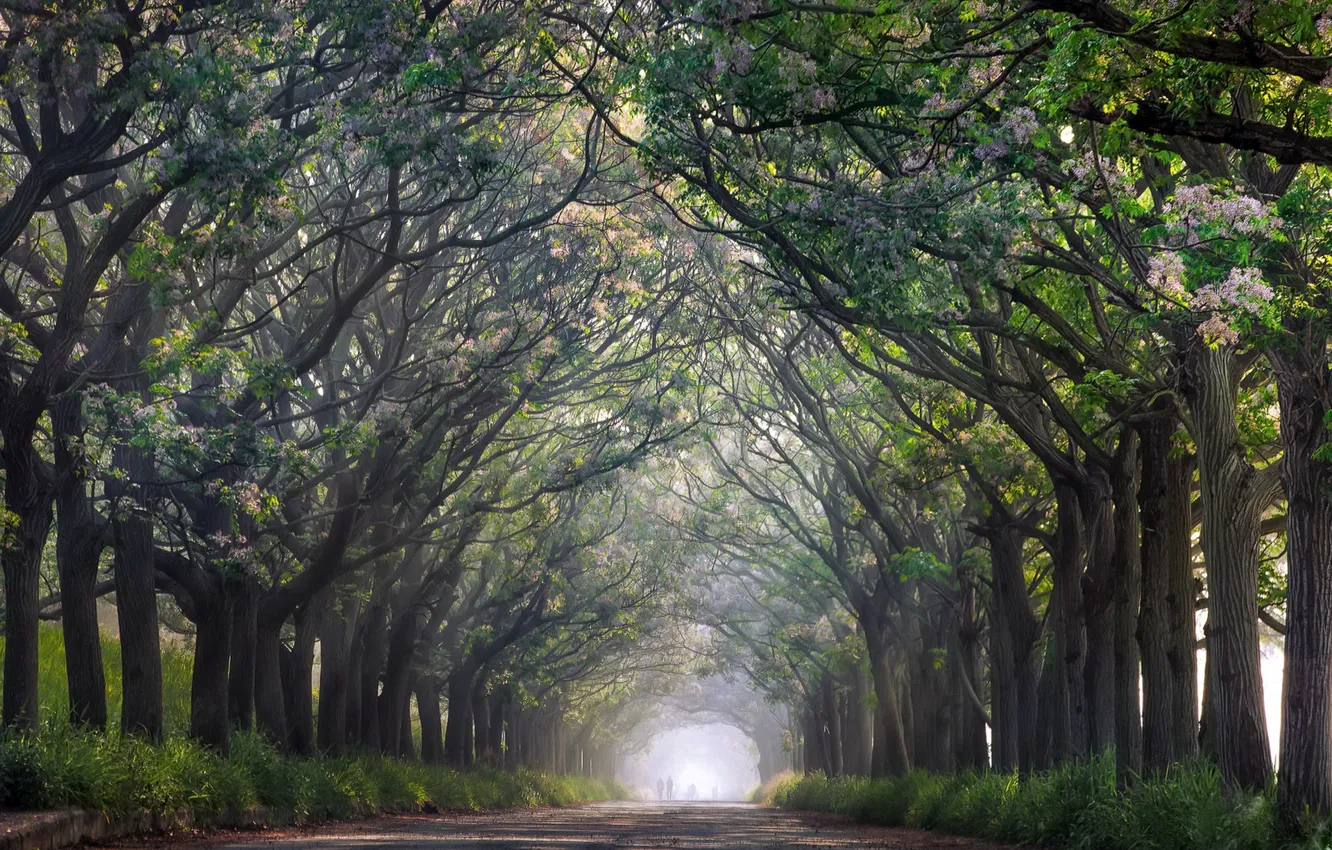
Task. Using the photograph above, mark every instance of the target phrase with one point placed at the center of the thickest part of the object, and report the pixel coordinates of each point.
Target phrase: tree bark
(1128, 597)
(432, 721)
(78, 549)
(1166, 623)
(136, 598)
(270, 704)
(458, 727)
(209, 724)
(1071, 723)
(1232, 496)
(244, 634)
(1304, 392)
(28, 499)
(334, 677)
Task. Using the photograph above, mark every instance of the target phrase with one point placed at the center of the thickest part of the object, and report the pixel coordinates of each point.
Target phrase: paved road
(636, 826)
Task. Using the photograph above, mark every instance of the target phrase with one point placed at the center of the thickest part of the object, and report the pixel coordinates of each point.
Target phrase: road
(637, 826)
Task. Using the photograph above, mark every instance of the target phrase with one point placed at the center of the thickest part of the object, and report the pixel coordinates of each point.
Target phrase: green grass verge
(60, 766)
(1076, 807)
(116, 773)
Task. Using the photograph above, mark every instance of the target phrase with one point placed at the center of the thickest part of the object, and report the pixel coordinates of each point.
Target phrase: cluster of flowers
(1198, 212)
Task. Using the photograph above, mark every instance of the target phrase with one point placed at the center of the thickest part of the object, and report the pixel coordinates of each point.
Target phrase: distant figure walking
(670, 788)
(661, 789)
(693, 791)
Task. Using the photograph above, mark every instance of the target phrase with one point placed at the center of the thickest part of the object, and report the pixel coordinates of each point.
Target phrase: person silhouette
(670, 788)
(693, 791)
(661, 789)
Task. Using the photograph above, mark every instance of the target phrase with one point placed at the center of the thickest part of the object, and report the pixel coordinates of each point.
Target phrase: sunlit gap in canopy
(705, 756)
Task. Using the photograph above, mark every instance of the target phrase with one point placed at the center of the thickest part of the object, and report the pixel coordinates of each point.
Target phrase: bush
(1074, 807)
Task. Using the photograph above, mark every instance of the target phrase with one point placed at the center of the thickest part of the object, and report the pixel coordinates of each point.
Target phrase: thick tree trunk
(396, 693)
(458, 728)
(373, 652)
(1166, 623)
(270, 704)
(1098, 602)
(432, 720)
(858, 732)
(890, 747)
(78, 549)
(28, 499)
(1128, 595)
(1232, 495)
(209, 724)
(481, 721)
(833, 720)
(299, 684)
(1304, 390)
(244, 632)
(1013, 637)
(1071, 721)
(136, 608)
(335, 677)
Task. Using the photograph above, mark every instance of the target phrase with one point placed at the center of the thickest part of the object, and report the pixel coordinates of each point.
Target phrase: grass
(177, 665)
(61, 766)
(1076, 807)
(113, 773)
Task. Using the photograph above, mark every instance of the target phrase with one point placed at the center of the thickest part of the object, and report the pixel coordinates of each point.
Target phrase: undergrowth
(116, 773)
(1076, 807)
(61, 766)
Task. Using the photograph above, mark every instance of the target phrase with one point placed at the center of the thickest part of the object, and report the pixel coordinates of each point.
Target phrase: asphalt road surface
(639, 826)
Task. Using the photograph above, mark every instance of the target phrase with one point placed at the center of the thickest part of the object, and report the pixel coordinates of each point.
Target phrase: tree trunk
(833, 720)
(209, 724)
(890, 747)
(78, 548)
(858, 732)
(1128, 596)
(1013, 637)
(481, 720)
(335, 677)
(244, 632)
(1166, 622)
(495, 746)
(1303, 389)
(1098, 605)
(136, 600)
(1233, 496)
(1071, 723)
(458, 727)
(432, 721)
(28, 499)
(299, 685)
(374, 650)
(270, 705)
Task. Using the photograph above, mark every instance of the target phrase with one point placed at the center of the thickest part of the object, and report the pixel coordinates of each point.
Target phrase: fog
(704, 756)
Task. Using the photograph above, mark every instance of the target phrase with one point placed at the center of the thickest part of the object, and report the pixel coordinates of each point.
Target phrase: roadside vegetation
(1076, 806)
(60, 765)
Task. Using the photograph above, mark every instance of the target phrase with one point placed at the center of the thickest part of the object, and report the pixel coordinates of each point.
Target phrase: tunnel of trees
(910, 386)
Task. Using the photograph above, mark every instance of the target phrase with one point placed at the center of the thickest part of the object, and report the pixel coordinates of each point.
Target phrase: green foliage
(115, 773)
(1076, 807)
(61, 766)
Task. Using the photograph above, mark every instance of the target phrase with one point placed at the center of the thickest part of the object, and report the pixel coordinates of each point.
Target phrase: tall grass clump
(1074, 807)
